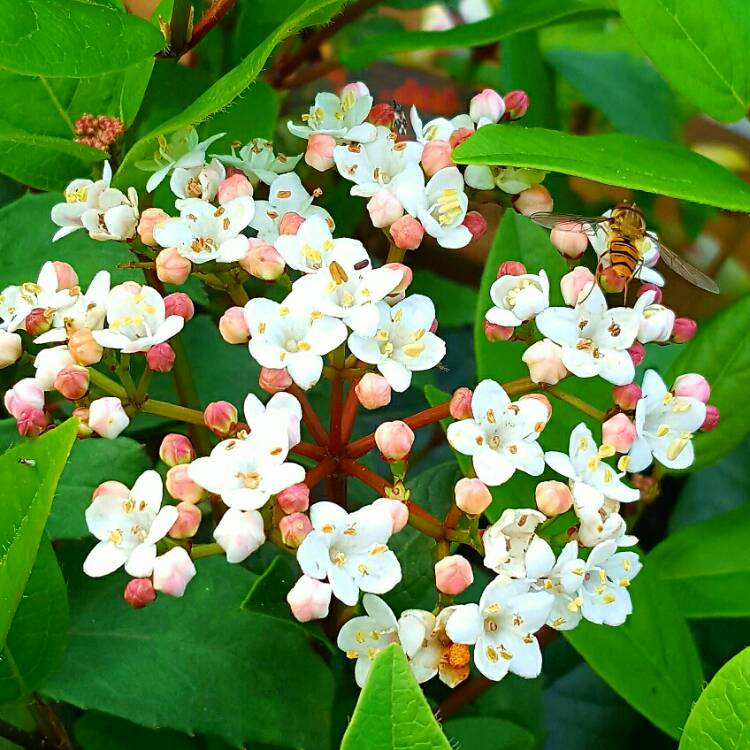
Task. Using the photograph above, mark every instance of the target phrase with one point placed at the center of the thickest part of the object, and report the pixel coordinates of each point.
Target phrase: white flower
(181, 151)
(665, 424)
(655, 321)
(440, 206)
(502, 628)
(378, 165)
(49, 362)
(246, 472)
(594, 339)
(204, 232)
(291, 335)
(282, 409)
(136, 319)
(258, 162)
(340, 117)
(128, 528)
(510, 180)
(350, 549)
(286, 195)
(439, 129)
(343, 291)
(201, 181)
(402, 343)
(507, 541)
(518, 298)
(313, 248)
(502, 436)
(240, 533)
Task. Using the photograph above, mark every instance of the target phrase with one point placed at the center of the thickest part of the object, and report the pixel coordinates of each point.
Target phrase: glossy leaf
(628, 161)
(97, 731)
(454, 302)
(488, 733)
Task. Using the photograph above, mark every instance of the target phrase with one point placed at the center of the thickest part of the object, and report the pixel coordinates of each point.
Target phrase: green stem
(199, 551)
(395, 254)
(142, 390)
(576, 403)
(123, 373)
(173, 411)
(106, 384)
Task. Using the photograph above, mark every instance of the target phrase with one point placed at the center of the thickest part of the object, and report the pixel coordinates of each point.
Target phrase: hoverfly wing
(687, 270)
(400, 121)
(570, 222)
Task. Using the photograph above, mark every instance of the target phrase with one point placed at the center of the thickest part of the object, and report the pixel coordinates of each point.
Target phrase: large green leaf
(627, 161)
(96, 731)
(196, 664)
(651, 660)
(72, 38)
(720, 720)
(454, 302)
(392, 713)
(700, 48)
(533, 14)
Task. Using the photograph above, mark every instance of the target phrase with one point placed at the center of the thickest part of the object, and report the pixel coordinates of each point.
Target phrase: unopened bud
(11, 348)
(382, 114)
(610, 281)
(553, 498)
(173, 571)
(38, 321)
(475, 223)
(453, 575)
(712, 418)
(82, 415)
(294, 499)
(436, 155)
(658, 294)
(309, 599)
(684, 330)
(627, 396)
(407, 276)
(171, 267)
(72, 382)
(139, 592)
(619, 432)
(294, 528)
(487, 105)
(394, 440)
(460, 404)
(290, 223)
(232, 326)
(407, 233)
(111, 488)
(575, 283)
(570, 242)
(397, 510)
(516, 104)
(149, 219)
(494, 332)
(235, 186)
(692, 385)
(459, 135)
(356, 88)
(544, 360)
(373, 391)
(176, 449)
(637, 352)
(84, 348)
(384, 208)
(319, 151)
(240, 533)
(107, 417)
(273, 380)
(511, 268)
(67, 278)
(181, 487)
(263, 261)
(221, 418)
(472, 496)
(178, 303)
(160, 358)
(540, 398)
(534, 199)
(187, 523)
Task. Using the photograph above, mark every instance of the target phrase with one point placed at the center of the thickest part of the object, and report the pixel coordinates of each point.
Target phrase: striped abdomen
(623, 257)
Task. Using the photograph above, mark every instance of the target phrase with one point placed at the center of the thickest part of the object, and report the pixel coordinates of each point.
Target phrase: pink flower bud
(84, 348)
(11, 348)
(453, 574)
(221, 418)
(619, 432)
(273, 380)
(436, 155)
(516, 104)
(712, 418)
(232, 326)
(290, 223)
(487, 105)
(171, 267)
(637, 352)
(38, 321)
(263, 261)
(309, 599)
(542, 399)
(553, 498)
(181, 487)
(373, 391)
(72, 382)
(394, 440)
(407, 233)
(544, 360)
(319, 152)
(574, 283)
(294, 528)
(173, 571)
(234, 186)
(187, 523)
(475, 223)
(511, 268)
(82, 415)
(139, 592)
(460, 405)
(240, 533)
(684, 330)
(382, 114)
(610, 281)
(494, 332)
(407, 275)
(692, 385)
(176, 449)
(107, 417)
(434, 326)
(472, 496)
(397, 510)
(569, 242)
(112, 488)
(658, 295)
(294, 499)
(356, 89)
(24, 395)
(31, 423)
(178, 303)
(160, 358)
(627, 396)
(67, 278)
(533, 200)
(149, 219)
(384, 208)
(459, 135)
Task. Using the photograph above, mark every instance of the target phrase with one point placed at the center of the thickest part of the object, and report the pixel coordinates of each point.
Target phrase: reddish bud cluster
(98, 131)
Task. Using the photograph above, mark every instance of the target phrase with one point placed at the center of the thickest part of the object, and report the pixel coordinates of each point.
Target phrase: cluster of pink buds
(98, 131)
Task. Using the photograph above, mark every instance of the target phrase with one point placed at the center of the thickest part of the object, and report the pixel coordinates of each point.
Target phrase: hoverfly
(400, 121)
(627, 241)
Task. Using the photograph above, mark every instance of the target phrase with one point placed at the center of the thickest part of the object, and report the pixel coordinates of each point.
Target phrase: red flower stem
(349, 414)
(309, 417)
(335, 426)
(318, 473)
(309, 451)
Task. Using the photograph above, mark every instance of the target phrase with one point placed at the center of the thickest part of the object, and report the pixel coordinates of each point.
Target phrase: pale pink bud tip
(160, 358)
(459, 135)
(407, 233)
(67, 278)
(460, 404)
(553, 498)
(319, 152)
(188, 521)
(569, 242)
(407, 275)
(171, 267)
(294, 528)
(221, 418)
(273, 380)
(84, 348)
(637, 352)
(712, 418)
(232, 326)
(263, 260)
(290, 223)
(356, 88)
(453, 574)
(692, 385)
(494, 332)
(658, 294)
(181, 487)
(541, 399)
(472, 496)
(25, 402)
(11, 348)
(544, 360)
(487, 105)
(516, 104)
(384, 208)
(173, 571)
(511, 268)
(294, 499)
(475, 223)
(373, 391)
(234, 186)
(176, 449)
(139, 592)
(394, 440)
(627, 396)
(111, 487)
(619, 432)
(178, 303)
(436, 155)
(150, 218)
(534, 199)
(309, 599)
(575, 283)
(397, 510)
(72, 382)
(107, 417)
(684, 330)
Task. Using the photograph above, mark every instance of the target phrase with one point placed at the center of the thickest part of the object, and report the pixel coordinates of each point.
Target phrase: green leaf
(720, 352)
(615, 159)
(707, 564)
(701, 49)
(267, 595)
(488, 733)
(434, 397)
(195, 664)
(72, 38)
(97, 731)
(454, 302)
(392, 713)
(534, 14)
(721, 717)
(651, 660)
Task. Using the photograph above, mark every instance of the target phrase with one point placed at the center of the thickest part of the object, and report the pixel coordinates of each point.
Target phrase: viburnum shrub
(257, 313)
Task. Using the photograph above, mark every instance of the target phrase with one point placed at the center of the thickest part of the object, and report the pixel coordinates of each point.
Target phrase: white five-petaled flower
(105, 212)
(205, 232)
(286, 195)
(282, 408)
(351, 550)
(128, 528)
(507, 541)
(655, 321)
(502, 435)
(258, 161)
(518, 298)
(438, 129)
(198, 182)
(342, 117)
(664, 424)
(136, 319)
(594, 339)
(501, 628)
(402, 342)
(292, 335)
